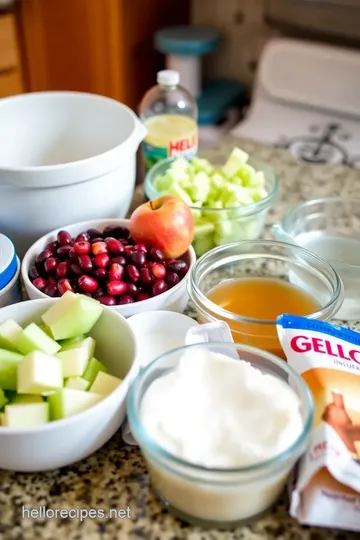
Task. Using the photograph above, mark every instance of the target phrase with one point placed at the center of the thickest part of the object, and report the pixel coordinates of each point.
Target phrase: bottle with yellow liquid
(169, 113)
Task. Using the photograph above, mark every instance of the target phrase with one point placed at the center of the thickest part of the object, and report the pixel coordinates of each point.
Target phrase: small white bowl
(158, 332)
(174, 299)
(63, 442)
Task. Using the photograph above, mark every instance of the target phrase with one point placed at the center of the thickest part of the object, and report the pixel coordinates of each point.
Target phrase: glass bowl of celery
(230, 202)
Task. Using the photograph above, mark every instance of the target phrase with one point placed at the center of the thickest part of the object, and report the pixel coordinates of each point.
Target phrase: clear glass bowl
(269, 259)
(330, 228)
(220, 226)
(220, 498)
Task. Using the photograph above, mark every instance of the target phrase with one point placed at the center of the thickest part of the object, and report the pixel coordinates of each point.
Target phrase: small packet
(326, 490)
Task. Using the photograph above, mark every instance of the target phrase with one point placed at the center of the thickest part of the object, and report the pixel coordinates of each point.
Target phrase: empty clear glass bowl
(330, 228)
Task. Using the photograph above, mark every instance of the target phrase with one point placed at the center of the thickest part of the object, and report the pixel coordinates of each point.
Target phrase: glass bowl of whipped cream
(221, 426)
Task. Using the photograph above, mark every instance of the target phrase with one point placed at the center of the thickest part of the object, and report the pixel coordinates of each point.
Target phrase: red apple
(165, 223)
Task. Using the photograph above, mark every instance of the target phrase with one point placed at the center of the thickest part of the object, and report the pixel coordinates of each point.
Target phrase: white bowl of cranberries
(101, 260)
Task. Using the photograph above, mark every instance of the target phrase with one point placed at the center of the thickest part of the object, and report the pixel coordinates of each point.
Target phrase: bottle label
(186, 147)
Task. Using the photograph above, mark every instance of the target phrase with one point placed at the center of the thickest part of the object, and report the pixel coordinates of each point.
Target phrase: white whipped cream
(215, 411)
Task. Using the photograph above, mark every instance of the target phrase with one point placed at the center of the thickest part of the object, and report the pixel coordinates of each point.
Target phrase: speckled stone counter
(115, 477)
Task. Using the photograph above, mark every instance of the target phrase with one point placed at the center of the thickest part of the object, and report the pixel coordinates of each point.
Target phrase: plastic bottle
(169, 112)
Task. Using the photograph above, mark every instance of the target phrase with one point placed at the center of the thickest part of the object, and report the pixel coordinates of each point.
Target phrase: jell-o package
(326, 490)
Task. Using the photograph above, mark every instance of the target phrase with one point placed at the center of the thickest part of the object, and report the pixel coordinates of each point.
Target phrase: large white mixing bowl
(64, 157)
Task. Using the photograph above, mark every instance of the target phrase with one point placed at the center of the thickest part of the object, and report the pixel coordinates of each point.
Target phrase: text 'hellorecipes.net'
(42, 512)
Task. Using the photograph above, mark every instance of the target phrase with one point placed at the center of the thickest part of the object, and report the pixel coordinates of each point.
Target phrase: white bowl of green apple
(65, 368)
(230, 201)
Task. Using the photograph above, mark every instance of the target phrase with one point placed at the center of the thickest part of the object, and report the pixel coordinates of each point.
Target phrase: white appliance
(307, 99)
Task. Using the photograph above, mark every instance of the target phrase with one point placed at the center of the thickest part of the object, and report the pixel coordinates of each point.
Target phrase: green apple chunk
(73, 362)
(3, 399)
(26, 398)
(104, 384)
(71, 315)
(38, 373)
(33, 338)
(26, 415)
(45, 329)
(72, 341)
(2, 419)
(67, 402)
(93, 368)
(9, 362)
(88, 344)
(9, 334)
(76, 383)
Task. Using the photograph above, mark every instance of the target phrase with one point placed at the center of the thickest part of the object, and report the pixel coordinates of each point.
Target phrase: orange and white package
(326, 490)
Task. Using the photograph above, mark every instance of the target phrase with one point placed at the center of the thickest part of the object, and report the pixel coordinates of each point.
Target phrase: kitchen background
(107, 47)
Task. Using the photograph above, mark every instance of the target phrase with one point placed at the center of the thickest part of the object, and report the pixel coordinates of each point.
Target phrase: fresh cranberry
(159, 287)
(97, 239)
(132, 272)
(82, 237)
(107, 300)
(51, 290)
(63, 286)
(140, 247)
(62, 269)
(138, 258)
(102, 260)
(52, 246)
(116, 272)
(158, 270)
(115, 247)
(126, 299)
(85, 263)
(116, 288)
(87, 284)
(132, 289)
(119, 260)
(75, 270)
(72, 254)
(39, 283)
(142, 296)
(145, 276)
(172, 279)
(99, 292)
(82, 248)
(156, 255)
(64, 238)
(100, 274)
(50, 265)
(116, 232)
(93, 233)
(43, 256)
(178, 266)
(33, 273)
(63, 252)
(99, 247)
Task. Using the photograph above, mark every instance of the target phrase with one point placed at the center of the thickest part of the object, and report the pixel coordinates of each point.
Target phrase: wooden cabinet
(100, 46)
(11, 81)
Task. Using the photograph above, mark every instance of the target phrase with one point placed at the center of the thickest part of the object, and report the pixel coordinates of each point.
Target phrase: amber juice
(261, 299)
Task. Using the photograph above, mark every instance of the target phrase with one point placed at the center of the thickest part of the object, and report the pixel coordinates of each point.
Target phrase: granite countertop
(115, 477)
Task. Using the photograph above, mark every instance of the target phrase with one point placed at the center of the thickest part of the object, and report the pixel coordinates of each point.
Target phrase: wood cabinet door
(99, 46)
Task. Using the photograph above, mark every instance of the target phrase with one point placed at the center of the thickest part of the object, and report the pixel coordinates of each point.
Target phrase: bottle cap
(8, 261)
(168, 77)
